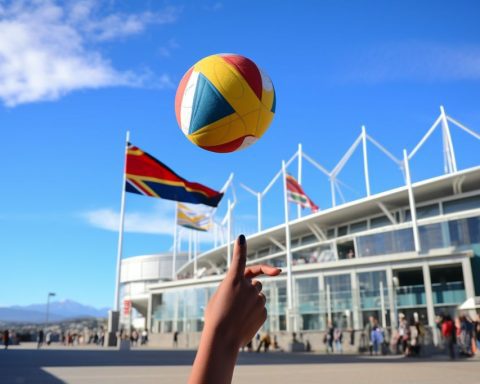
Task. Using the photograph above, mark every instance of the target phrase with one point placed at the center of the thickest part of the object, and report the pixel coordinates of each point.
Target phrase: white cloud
(48, 50)
(160, 221)
(414, 60)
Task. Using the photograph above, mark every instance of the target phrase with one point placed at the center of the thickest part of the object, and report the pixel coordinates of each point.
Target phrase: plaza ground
(54, 365)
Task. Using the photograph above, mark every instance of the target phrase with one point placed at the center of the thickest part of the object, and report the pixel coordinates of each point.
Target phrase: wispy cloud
(413, 61)
(48, 50)
(160, 221)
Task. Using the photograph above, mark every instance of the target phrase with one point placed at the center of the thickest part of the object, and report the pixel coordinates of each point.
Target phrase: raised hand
(237, 309)
(232, 318)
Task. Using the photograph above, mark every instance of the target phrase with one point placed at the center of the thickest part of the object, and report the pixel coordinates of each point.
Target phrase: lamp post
(50, 294)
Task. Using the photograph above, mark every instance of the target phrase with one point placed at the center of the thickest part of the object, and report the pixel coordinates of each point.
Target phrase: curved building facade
(411, 250)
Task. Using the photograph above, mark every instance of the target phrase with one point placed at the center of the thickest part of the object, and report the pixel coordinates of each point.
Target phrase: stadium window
(295, 242)
(263, 252)
(308, 239)
(380, 221)
(424, 212)
(358, 226)
(342, 231)
(330, 233)
(463, 204)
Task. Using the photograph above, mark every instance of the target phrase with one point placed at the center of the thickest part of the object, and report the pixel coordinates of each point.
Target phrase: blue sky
(74, 76)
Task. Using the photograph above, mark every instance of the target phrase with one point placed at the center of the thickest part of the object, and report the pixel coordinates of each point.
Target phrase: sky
(76, 75)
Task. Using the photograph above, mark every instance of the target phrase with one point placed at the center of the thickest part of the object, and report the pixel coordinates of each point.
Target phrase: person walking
(368, 333)
(449, 334)
(175, 339)
(40, 339)
(376, 336)
(6, 338)
(338, 338)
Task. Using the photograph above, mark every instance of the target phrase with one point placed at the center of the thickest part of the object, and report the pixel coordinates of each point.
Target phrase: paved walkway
(96, 365)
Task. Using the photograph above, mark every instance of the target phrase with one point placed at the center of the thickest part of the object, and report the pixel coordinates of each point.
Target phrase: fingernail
(241, 240)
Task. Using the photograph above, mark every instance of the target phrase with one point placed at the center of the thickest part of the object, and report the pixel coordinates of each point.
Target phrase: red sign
(127, 307)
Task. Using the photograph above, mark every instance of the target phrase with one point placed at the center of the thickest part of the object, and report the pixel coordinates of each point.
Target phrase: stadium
(411, 249)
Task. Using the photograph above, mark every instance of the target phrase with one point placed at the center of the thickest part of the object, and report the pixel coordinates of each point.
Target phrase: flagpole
(299, 177)
(229, 234)
(195, 254)
(114, 314)
(120, 229)
(288, 254)
(175, 230)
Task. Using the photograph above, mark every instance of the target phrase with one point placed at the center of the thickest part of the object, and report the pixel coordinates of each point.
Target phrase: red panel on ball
(227, 147)
(249, 71)
(179, 94)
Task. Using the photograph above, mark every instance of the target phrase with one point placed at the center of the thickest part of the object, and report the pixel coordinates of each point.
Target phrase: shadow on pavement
(25, 365)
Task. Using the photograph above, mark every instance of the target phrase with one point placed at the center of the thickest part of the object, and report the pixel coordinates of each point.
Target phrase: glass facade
(322, 296)
(385, 243)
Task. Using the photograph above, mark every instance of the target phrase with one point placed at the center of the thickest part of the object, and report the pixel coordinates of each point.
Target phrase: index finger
(239, 258)
(262, 269)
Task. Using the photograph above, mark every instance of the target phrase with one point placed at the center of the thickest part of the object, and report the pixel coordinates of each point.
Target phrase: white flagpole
(120, 229)
(229, 233)
(299, 177)
(288, 255)
(195, 255)
(175, 239)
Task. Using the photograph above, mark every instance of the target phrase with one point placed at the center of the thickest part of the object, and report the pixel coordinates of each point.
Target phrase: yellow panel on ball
(225, 103)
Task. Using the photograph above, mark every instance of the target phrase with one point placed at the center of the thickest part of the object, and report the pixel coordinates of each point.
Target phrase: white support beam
(424, 138)
(448, 144)
(365, 160)
(259, 211)
(320, 167)
(340, 191)
(411, 198)
(332, 190)
(463, 127)
(346, 156)
(277, 243)
(278, 174)
(320, 236)
(259, 204)
(387, 212)
(384, 150)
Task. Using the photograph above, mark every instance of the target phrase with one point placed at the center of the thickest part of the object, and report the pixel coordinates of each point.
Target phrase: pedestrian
(40, 339)
(265, 341)
(368, 333)
(175, 339)
(6, 338)
(329, 337)
(48, 338)
(376, 337)
(449, 335)
(144, 337)
(338, 338)
(402, 336)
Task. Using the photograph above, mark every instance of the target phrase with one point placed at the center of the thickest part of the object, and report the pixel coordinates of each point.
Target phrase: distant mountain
(58, 310)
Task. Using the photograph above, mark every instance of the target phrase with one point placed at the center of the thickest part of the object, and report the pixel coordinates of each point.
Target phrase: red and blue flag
(147, 176)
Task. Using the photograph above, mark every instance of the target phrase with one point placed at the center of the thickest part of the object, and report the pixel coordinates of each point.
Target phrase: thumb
(239, 258)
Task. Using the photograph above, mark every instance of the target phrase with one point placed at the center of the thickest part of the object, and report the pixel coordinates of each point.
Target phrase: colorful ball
(224, 103)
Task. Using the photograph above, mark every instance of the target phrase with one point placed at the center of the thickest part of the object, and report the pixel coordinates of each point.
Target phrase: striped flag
(147, 176)
(189, 218)
(296, 194)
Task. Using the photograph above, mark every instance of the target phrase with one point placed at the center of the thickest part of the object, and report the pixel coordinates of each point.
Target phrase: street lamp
(50, 294)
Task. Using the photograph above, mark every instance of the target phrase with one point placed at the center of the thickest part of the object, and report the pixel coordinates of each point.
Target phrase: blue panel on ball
(208, 105)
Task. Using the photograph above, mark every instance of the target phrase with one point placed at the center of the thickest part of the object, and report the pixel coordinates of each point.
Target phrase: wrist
(221, 341)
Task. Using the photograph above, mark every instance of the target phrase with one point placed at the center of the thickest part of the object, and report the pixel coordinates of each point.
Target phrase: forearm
(215, 360)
